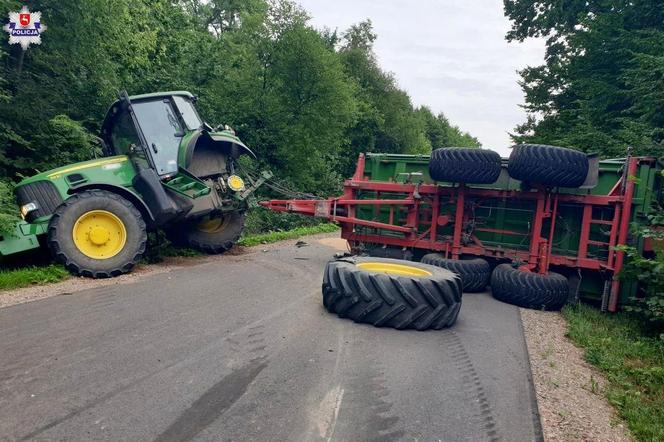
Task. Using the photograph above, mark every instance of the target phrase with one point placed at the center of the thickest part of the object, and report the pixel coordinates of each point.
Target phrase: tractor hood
(104, 163)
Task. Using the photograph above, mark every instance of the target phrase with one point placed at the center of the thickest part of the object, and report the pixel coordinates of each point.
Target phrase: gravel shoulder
(570, 392)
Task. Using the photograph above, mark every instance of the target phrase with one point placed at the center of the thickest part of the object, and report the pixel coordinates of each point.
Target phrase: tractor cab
(166, 131)
(177, 156)
(159, 121)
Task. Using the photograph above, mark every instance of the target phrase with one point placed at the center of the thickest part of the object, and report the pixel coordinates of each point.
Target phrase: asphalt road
(242, 349)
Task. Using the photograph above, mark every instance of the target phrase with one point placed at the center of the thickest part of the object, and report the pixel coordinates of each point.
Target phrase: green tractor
(163, 168)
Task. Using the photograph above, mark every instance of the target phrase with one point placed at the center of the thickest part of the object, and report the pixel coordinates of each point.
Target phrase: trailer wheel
(97, 234)
(213, 235)
(392, 293)
(549, 165)
(529, 290)
(464, 165)
(474, 273)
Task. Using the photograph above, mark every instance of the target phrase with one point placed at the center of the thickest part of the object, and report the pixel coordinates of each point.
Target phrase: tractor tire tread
(529, 290)
(213, 244)
(465, 165)
(474, 273)
(399, 302)
(548, 165)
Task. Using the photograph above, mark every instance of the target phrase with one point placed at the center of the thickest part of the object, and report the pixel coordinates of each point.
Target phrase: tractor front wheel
(211, 234)
(97, 234)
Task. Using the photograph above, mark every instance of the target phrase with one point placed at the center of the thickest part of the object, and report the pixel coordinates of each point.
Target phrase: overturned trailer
(393, 206)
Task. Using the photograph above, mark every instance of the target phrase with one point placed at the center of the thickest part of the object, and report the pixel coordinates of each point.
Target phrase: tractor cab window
(123, 134)
(188, 112)
(163, 133)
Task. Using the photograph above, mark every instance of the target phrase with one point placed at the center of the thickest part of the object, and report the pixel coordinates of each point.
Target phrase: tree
(599, 89)
(441, 133)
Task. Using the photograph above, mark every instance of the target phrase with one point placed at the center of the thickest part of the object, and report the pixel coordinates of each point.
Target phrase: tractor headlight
(235, 183)
(27, 208)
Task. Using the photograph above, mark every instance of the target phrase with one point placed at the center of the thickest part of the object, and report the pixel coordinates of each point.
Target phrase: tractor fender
(222, 141)
(237, 147)
(126, 194)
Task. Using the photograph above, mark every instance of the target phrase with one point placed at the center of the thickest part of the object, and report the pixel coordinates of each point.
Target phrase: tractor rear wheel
(97, 234)
(465, 165)
(548, 165)
(211, 234)
(474, 273)
(529, 290)
(392, 293)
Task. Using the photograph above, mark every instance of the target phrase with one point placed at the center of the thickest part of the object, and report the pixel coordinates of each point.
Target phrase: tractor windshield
(163, 133)
(188, 112)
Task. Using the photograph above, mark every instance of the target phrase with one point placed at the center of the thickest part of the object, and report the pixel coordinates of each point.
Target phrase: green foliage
(9, 214)
(600, 88)
(274, 236)
(17, 278)
(441, 133)
(648, 271)
(631, 358)
(261, 220)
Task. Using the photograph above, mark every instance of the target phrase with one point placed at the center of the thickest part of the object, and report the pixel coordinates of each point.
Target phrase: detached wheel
(465, 165)
(97, 234)
(548, 165)
(529, 290)
(215, 234)
(474, 273)
(392, 293)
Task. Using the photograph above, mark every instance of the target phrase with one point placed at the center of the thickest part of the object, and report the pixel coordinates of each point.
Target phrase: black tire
(61, 234)
(464, 165)
(474, 273)
(213, 241)
(391, 300)
(548, 165)
(529, 290)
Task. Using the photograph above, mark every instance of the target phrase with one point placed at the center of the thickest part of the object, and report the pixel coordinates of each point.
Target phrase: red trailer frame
(538, 258)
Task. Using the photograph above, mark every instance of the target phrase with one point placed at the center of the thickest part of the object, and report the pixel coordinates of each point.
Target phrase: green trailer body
(496, 216)
(392, 205)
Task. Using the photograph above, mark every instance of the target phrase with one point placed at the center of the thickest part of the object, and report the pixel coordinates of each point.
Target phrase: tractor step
(187, 185)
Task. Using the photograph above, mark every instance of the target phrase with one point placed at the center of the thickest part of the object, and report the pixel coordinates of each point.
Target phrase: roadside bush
(649, 272)
(261, 220)
(8, 209)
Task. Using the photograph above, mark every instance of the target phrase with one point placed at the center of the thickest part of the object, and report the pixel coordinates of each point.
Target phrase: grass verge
(270, 237)
(17, 278)
(632, 359)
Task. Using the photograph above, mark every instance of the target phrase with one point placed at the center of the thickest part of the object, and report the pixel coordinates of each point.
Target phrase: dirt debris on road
(570, 392)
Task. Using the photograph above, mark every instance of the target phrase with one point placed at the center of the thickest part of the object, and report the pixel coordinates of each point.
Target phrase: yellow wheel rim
(212, 225)
(99, 234)
(393, 269)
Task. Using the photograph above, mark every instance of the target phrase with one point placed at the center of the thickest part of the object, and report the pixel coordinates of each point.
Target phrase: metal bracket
(265, 175)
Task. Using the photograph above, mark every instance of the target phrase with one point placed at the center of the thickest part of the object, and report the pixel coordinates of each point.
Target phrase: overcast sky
(450, 55)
